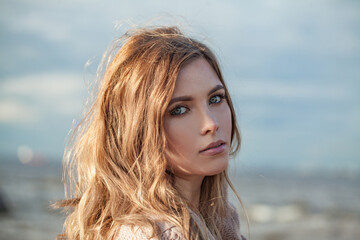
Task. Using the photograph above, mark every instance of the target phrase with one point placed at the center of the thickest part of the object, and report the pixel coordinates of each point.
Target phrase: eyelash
(221, 96)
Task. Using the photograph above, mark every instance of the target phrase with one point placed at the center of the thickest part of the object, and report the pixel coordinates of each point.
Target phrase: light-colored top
(171, 232)
(168, 232)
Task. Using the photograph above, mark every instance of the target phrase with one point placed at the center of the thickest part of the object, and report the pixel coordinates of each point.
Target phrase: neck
(190, 188)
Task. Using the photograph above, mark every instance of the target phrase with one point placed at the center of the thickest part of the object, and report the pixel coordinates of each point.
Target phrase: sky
(292, 68)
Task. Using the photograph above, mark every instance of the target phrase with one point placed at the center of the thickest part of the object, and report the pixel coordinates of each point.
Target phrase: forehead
(195, 77)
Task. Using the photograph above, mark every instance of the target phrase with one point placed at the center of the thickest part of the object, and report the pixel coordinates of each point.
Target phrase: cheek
(182, 145)
(180, 135)
(226, 122)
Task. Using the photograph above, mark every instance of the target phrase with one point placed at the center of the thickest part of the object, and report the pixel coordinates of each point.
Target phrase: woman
(150, 157)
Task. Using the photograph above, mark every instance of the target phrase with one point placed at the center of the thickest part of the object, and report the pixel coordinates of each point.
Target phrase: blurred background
(293, 69)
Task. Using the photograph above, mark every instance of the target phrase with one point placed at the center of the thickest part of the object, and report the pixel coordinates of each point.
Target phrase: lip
(214, 148)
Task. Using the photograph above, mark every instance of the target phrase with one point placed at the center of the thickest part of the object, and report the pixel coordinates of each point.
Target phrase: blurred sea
(280, 204)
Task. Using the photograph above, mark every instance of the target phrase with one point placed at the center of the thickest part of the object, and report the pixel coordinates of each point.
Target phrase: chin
(219, 168)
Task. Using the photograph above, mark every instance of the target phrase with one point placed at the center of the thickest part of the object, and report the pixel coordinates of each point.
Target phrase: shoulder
(167, 232)
(231, 225)
(233, 217)
(170, 232)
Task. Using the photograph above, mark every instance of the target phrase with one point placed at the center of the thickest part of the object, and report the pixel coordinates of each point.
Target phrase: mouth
(214, 148)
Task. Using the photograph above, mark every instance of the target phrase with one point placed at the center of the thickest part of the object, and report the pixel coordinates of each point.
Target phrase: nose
(209, 123)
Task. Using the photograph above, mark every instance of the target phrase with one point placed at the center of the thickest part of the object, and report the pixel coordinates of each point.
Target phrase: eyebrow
(189, 98)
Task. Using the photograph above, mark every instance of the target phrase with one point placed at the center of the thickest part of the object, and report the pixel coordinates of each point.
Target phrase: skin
(197, 116)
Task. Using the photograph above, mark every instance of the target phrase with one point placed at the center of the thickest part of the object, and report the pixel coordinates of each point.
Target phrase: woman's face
(198, 122)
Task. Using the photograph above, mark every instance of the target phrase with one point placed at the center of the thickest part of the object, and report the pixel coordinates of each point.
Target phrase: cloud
(27, 99)
(290, 91)
(267, 28)
(52, 85)
(18, 18)
(14, 111)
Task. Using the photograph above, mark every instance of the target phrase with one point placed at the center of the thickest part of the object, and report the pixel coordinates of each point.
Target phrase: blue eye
(178, 110)
(216, 99)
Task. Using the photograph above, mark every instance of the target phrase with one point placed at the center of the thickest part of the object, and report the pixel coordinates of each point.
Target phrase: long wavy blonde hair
(116, 163)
